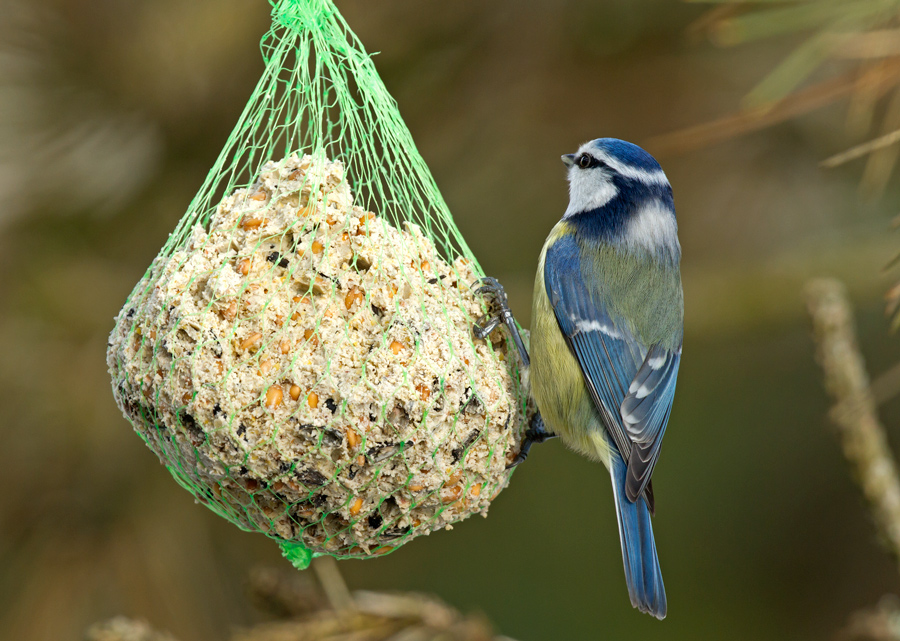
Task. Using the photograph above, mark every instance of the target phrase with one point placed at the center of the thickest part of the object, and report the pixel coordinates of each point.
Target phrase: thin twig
(861, 150)
(854, 414)
(333, 583)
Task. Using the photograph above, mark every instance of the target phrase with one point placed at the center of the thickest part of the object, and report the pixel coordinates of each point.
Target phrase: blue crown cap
(628, 153)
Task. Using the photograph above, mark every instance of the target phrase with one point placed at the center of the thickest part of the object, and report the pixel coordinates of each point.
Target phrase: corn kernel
(353, 439)
(266, 366)
(476, 490)
(244, 267)
(356, 506)
(424, 391)
(313, 400)
(294, 392)
(259, 195)
(285, 346)
(396, 346)
(317, 247)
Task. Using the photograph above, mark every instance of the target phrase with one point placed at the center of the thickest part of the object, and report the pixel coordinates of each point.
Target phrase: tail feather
(642, 573)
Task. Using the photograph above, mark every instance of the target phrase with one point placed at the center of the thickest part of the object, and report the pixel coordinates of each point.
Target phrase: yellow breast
(556, 381)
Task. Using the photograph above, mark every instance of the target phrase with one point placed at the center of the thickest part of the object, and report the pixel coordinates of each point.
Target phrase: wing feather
(632, 384)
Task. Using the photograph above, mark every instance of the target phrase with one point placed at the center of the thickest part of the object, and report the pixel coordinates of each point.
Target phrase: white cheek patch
(588, 190)
(653, 228)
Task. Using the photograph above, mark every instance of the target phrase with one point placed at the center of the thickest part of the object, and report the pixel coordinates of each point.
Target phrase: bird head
(619, 193)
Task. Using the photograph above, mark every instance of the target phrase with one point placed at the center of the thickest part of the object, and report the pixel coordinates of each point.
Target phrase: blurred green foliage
(111, 113)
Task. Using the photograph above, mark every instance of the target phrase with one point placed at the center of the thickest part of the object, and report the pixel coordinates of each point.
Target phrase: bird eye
(584, 161)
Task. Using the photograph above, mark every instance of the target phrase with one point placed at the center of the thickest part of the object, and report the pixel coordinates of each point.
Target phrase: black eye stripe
(586, 161)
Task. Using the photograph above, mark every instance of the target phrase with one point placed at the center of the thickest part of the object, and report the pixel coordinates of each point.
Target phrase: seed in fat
(251, 341)
(451, 494)
(356, 506)
(244, 267)
(353, 439)
(396, 346)
(313, 400)
(274, 396)
(266, 366)
(294, 392)
(259, 195)
(285, 346)
(353, 296)
(230, 311)
(317, 247)
(252, 223)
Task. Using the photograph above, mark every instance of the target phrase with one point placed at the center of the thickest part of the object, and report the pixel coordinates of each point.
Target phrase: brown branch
(800, 102)
(854, 413)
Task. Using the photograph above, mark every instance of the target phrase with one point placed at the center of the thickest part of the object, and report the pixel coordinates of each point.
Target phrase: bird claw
(489, 284)
(536, 433)
(491, 288)
(484, 326)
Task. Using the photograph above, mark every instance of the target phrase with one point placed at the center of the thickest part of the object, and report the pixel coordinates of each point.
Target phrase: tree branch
(854, 414)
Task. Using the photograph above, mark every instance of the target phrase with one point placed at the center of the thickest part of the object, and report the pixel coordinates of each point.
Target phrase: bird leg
(536, 433)
(487, 323)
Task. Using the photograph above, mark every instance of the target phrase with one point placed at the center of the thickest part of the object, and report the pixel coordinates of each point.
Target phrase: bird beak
(568, 159)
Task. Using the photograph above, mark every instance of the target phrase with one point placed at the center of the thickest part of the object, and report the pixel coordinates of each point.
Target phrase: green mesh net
(300, 354)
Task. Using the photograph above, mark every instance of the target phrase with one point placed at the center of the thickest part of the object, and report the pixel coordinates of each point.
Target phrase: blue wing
(645, 413)
(632, 384)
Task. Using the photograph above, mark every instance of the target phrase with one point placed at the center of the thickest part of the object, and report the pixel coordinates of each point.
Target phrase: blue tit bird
(606, 335)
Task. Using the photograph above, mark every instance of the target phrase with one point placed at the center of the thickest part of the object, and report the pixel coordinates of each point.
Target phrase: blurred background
(111, 113)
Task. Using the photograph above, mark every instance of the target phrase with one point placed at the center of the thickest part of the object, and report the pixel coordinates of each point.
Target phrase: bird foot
(492, 289)
(536, 433)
